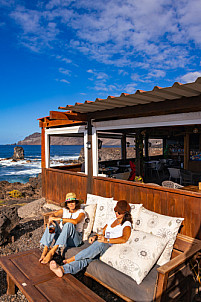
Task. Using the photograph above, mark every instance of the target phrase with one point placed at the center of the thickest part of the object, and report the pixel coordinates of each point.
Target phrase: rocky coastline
(26, 231)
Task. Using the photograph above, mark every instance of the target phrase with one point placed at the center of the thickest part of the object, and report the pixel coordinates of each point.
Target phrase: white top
(68, 214)
(116, 231)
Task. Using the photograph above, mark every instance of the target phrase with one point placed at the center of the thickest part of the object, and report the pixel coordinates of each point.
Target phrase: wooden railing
(166, 201)
(56, 183)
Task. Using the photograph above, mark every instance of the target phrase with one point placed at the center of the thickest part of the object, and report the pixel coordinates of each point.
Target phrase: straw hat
(71, 196)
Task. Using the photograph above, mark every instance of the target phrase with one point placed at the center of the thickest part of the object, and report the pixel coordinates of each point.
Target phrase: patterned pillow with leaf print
(104, 211)
(162, 226)
(137, 256)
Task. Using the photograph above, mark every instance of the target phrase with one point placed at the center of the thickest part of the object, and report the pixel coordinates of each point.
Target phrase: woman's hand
(101, 238)
(51, 220)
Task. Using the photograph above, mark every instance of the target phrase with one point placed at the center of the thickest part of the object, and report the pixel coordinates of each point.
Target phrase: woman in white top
(115, 232)
(65, 227)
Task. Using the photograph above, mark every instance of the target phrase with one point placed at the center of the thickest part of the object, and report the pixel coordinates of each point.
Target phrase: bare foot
(69, 260)
(44, 253)
(47, 258)
(56, 269)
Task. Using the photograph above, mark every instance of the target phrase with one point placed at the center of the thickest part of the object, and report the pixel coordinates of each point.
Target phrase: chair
(175, 174)
(171, 184)
(186, 177)
(157, 167)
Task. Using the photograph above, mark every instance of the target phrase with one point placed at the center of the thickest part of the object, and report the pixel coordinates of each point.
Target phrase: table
(39, 284)
(191, 188)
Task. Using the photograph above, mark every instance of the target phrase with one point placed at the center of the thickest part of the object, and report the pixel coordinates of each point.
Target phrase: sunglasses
(117, 212)
(71, 201)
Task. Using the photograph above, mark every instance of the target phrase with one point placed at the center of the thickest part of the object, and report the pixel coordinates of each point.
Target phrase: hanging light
(195, 129)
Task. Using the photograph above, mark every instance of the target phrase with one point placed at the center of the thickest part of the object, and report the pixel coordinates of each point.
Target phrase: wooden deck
(166, 201)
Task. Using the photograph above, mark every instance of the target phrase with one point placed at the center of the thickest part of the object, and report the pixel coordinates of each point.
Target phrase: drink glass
(51, 229)
(107, 235)
(100, 231)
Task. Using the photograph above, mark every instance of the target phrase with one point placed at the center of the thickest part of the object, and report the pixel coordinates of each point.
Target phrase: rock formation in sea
(18, 153)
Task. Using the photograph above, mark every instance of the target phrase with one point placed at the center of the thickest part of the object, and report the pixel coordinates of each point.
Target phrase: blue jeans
(83, 258)
(65, 237)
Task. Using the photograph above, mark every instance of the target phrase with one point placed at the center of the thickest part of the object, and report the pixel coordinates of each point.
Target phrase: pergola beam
(71, 116)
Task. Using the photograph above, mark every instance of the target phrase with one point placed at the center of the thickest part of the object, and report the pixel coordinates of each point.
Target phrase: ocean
(22, 170)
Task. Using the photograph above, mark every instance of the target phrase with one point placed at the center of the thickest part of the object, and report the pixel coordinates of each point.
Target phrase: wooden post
(42, 147)
(146, 140)
(186, 151)
(90, 163)
(123, 147)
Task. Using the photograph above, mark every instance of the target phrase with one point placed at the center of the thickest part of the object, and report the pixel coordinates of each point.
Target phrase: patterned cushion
(135, 209)
(162, 226)
(104, 213)
(90, 210)
(94, 199)
(137, 256)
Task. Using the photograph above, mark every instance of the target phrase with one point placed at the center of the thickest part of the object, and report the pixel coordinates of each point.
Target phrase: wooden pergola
(155, 113)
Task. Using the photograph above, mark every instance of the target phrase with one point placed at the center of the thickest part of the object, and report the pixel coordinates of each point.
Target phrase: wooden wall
(171, 202)
(57, 183)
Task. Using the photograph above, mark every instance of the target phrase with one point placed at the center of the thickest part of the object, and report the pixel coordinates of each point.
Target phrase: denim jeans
(65, 237)
(83, 258)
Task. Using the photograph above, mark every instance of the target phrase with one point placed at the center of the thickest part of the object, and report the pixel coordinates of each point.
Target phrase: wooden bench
(38, 283)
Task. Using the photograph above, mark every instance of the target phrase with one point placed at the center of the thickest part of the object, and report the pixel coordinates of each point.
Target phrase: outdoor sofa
(172, 281)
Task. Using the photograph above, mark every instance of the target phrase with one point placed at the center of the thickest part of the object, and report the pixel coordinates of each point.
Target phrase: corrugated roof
(158, 94)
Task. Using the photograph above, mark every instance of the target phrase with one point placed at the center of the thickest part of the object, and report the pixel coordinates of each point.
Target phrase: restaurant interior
(167, 156)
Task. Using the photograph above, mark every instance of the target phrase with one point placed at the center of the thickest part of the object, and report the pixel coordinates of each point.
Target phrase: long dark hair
(127, 217)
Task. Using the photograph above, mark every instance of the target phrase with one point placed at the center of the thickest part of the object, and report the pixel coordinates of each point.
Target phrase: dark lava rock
(9, 219)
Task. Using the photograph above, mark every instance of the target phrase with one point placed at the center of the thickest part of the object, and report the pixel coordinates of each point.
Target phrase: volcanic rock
(9, 219)
(18, 153)
(32, 209)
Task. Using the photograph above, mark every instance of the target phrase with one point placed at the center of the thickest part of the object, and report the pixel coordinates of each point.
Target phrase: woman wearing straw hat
(116, 231)
(64, 226)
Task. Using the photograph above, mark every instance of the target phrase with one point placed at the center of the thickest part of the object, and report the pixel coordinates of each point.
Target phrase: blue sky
(55, 53)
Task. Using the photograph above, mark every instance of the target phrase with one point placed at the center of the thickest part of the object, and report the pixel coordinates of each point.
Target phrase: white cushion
(90, 210)
(135, 210)
(104, 213)
(162, 226)
(137, 256)
(94, 199)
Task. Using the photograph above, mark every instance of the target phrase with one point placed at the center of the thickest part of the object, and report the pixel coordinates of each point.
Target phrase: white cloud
(64, 71)
(63, 81)
(191, 76)
(135, 34)
(66, 60)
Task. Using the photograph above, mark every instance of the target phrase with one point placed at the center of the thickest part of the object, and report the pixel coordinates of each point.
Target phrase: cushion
(137, 256)
(162, 226)
(94, 199)
(114, 278)
(104, 213)
(90, 210)
(135, 209)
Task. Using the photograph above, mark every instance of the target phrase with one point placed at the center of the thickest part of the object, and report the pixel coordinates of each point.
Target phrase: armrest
(172, 264)
(46, 217)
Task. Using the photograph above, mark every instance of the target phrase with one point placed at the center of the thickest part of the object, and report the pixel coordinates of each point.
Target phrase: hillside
(35, 139)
